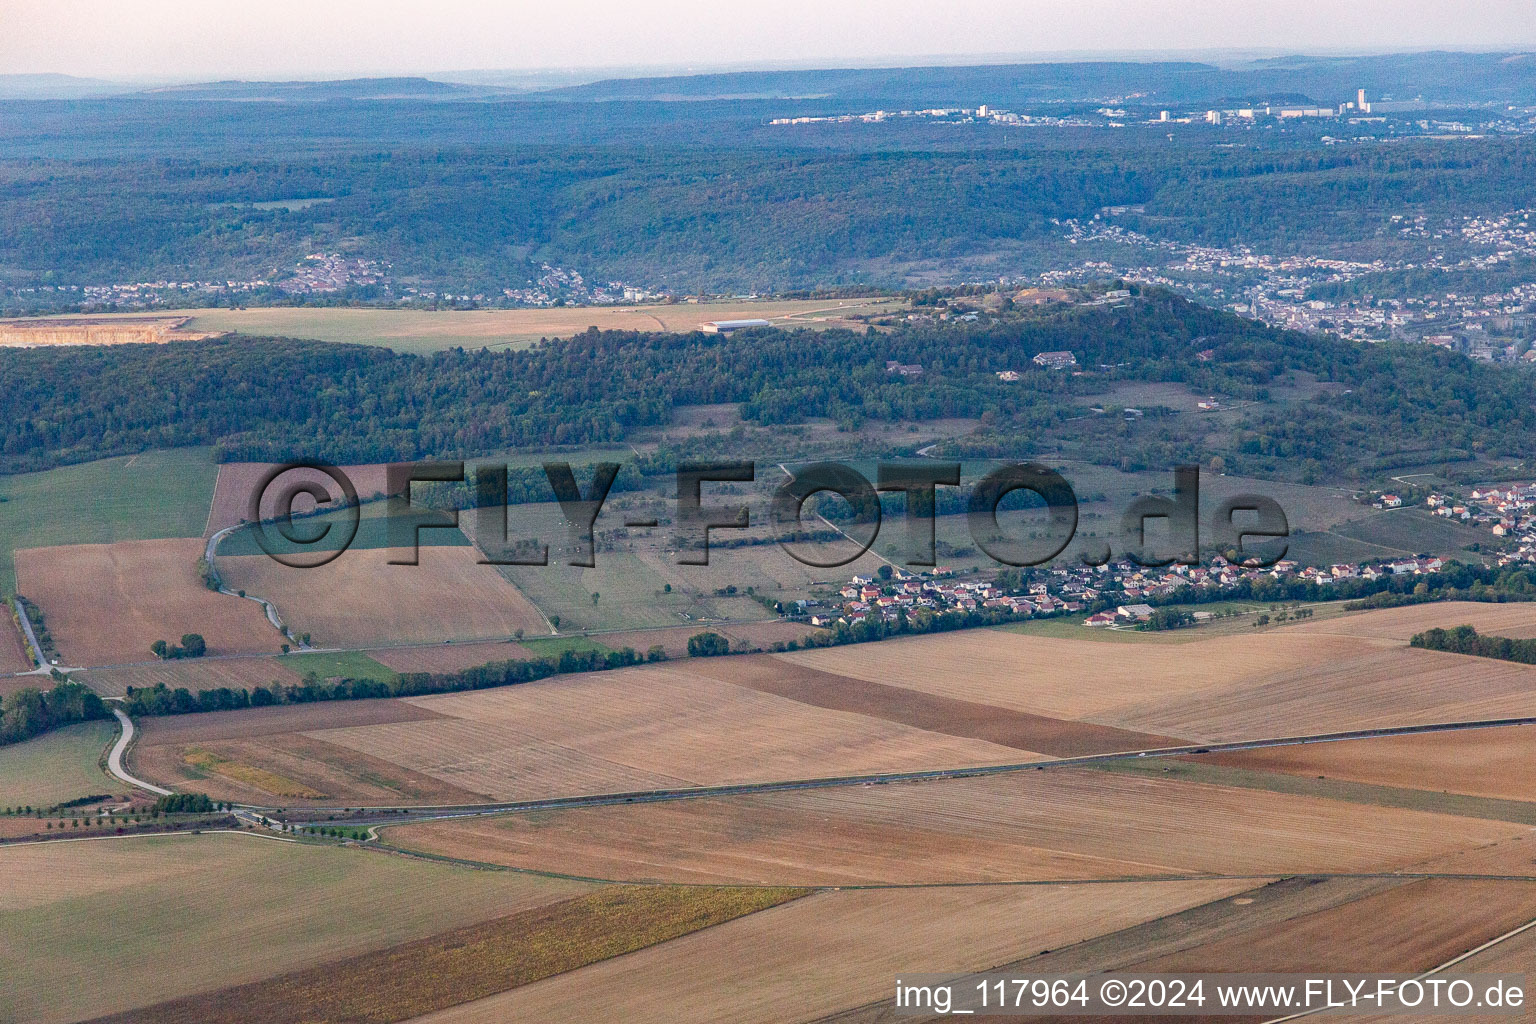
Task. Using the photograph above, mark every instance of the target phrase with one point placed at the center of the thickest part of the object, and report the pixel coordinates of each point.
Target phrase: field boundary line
(213, 499)
(450, 811)
(154, 835)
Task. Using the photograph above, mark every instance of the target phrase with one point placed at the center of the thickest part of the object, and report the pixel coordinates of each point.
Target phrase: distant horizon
(289, 40)
(491, 76)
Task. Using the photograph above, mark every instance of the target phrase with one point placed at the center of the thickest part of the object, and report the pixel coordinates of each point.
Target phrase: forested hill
(710, 220)
(274, 399)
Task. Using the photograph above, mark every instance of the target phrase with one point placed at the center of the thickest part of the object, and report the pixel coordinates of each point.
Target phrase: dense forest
(275, 400)
(471, 219)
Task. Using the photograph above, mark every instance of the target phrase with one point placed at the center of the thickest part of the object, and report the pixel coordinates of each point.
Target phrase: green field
(554, 646)
(372, 533)
(57, 766)
(137, 921)
(138, 497)
(630, 594)
(340, 664)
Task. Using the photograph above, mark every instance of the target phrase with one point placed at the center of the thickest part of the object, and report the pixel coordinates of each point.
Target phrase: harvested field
(1367, 914)
(272, 746)
(106, 603)
(1513, 956)
(13, 649)
(642, 728)
(360, 600)
(57, 766)
(223, 909)
(1054, 736)
(1066, 678)
(1061, 823)
(285, 718)
(826, 952)
(1278, 683)
(407, 330)
(195, 674)
(293, 769)
(1479, 762)
(238, 481)
(1406, 929)
(1372, 688)
(1515, 619)
(470, 963)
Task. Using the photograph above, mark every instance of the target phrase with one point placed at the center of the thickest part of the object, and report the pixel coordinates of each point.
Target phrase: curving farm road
(115, 758)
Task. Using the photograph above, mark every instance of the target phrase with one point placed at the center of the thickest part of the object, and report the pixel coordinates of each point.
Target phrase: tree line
(1467, 640)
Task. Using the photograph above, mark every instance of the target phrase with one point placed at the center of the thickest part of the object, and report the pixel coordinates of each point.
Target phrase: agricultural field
(430, 331)
(833, 951)
(152, 496)
(456, 967)
(107, 603)
(644, 727)
(224, 909)
(640, 728)
(1515, 619)
(337, 665)
(280, 755)
(193, 674)
(1497, 763)
(449, 657)
(13, 649)
(238, 481)
(1069, 823)
(57, 767)
(1307, 925)
(1291, 681)
(360, 600)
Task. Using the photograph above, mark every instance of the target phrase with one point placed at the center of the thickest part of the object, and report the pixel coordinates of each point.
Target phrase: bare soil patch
(106, 603)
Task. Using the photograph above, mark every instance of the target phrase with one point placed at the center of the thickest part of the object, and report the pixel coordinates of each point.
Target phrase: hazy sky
(316, 38)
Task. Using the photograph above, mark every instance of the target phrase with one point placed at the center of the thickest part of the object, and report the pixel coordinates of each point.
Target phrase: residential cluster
(1122, 589)
(1288, 291)
(329, 273)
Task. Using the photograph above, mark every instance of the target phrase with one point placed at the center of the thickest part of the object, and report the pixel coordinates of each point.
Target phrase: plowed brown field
(106, 603)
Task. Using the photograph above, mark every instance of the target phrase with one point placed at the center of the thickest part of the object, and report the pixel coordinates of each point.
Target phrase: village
(1122, 594)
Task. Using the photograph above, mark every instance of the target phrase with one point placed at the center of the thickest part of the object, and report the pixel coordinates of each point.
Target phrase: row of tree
(1467, 640)
(32, 712)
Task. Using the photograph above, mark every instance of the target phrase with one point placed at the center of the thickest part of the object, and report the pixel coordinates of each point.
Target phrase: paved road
(115, 759)
(26, 629)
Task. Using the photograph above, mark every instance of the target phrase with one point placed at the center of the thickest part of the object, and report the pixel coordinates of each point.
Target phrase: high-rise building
(1360, 103)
